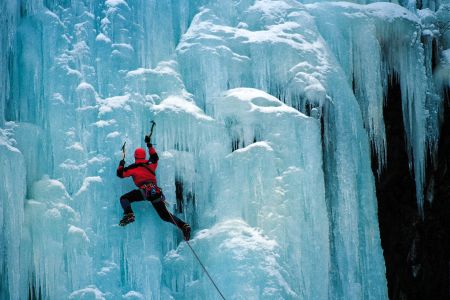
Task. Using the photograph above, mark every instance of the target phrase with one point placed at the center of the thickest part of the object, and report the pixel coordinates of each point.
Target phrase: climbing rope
(204, 269)
(198, 259)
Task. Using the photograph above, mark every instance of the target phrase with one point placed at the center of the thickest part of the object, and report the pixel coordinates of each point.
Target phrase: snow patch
(102, 38)
(112, 135)
(87, 182)
(133, 295)
(240, 100)
(105, 123)
(109, 104)
(47, 189)
(89, 293)
(76, 146)
(179, 104)
(114, 3)
(84, 86)
(261, 145)
(77, 233)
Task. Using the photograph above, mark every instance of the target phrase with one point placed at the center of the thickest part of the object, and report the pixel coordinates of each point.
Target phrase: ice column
(12, 194)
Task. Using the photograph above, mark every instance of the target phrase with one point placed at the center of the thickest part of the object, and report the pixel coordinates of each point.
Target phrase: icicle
(12, 195)
(8, 25)
(406, 60)
(386, 40)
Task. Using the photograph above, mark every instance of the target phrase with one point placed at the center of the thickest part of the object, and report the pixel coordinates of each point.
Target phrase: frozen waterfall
(268, 114)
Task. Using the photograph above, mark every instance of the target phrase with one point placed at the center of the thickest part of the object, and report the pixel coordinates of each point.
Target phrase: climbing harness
(151, 191)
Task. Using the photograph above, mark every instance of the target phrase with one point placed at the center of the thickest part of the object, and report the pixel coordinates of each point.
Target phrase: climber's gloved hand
(147, 139)
(122, 162)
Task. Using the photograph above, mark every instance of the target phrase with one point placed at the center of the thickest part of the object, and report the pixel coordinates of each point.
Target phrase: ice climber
(144, 177)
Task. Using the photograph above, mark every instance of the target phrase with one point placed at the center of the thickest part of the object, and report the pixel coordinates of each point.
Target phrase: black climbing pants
(158, 204)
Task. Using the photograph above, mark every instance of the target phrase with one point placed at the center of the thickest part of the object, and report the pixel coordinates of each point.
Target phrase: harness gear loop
(152, 192)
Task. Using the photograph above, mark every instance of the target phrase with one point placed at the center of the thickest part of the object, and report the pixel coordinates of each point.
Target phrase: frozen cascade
(267, 113)
(242, 110)
(8, 23)
(379, 42)
(12, 193)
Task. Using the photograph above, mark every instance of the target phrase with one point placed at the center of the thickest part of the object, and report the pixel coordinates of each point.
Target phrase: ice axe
(123, 150)
(151, 129)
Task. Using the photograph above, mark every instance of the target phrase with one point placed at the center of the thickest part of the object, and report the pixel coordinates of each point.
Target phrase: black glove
(122, 162)
(147, 139)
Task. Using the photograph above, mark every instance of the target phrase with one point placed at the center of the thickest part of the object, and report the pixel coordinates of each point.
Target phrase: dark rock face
(435, 230)
(416, 249)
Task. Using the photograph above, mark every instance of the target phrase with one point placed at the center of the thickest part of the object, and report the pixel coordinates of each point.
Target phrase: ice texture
(268, 114)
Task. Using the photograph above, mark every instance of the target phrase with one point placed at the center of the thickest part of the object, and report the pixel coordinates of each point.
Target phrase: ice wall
(307, 76)
(384, 39)
(12, 193)
(267, 115)
(8, 23)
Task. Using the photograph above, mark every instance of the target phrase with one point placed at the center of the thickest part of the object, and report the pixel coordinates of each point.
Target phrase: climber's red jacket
(142, 171)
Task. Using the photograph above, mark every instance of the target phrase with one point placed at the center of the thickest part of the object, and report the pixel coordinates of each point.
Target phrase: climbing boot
(127, 219)
(186, 232)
